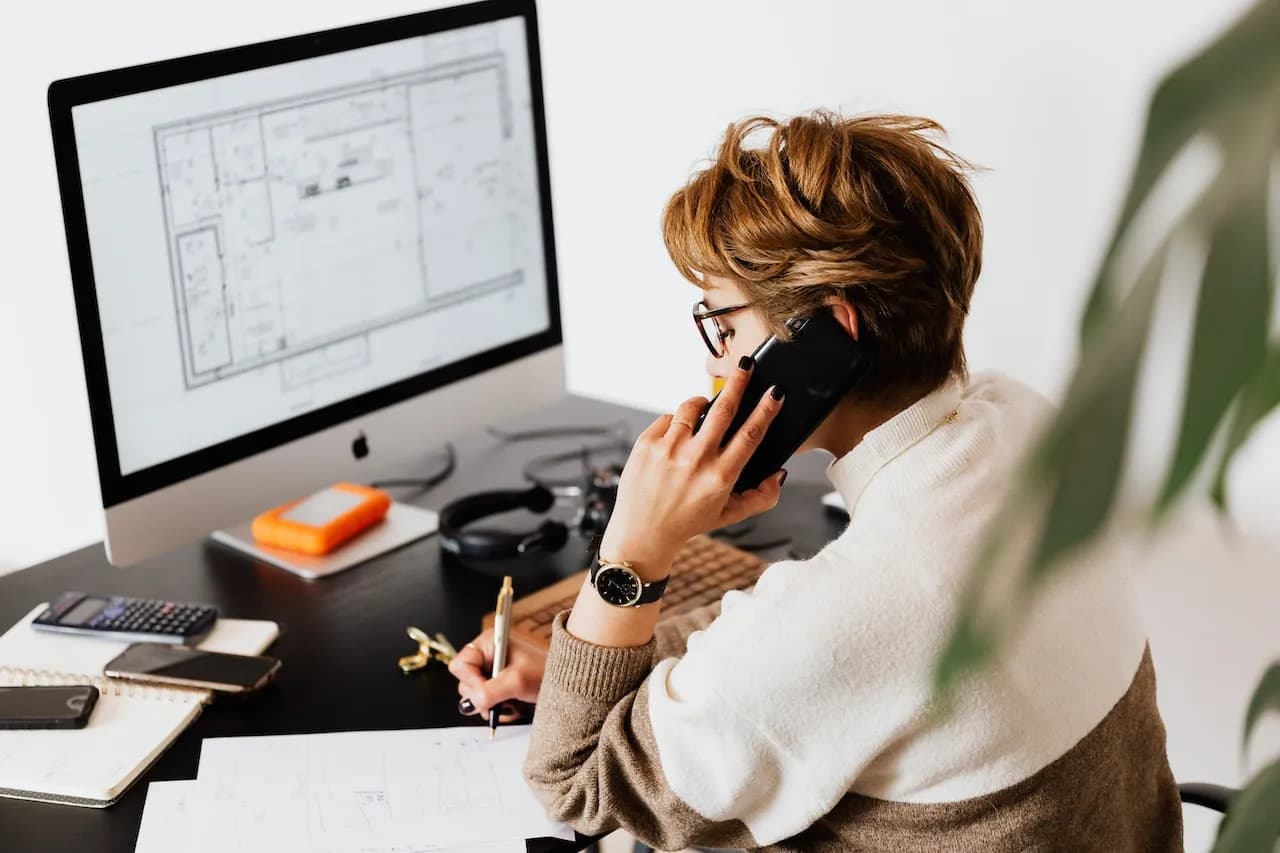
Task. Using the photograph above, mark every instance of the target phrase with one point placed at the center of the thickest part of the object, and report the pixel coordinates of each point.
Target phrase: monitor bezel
(65, 94)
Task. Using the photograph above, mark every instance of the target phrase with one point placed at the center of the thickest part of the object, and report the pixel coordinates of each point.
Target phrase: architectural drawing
(392, 790)
(297, 227)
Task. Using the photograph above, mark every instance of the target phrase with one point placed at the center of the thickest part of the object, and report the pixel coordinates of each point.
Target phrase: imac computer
(305, 261)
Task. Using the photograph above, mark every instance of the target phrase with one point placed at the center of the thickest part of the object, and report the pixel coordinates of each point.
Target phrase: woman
(693, 731)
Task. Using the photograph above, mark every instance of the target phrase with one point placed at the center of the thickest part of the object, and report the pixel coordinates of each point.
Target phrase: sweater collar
(851, 473)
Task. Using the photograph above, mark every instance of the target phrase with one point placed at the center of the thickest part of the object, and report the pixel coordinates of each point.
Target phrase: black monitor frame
(65, 94)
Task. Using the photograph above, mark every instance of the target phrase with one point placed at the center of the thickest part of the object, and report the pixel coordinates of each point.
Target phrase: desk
(340, 636)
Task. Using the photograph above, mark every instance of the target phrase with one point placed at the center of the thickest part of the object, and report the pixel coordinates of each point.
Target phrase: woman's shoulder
(971, 458)
(1002, 392)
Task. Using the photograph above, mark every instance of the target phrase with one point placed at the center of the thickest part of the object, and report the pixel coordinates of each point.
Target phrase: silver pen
(501, 633)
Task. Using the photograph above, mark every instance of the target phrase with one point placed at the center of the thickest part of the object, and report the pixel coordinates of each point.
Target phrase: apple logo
(360, 447)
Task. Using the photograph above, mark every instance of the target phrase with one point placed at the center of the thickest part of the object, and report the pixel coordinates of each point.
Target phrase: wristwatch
(619, 585)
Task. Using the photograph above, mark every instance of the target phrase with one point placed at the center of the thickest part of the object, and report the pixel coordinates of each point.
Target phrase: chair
(1216, 797)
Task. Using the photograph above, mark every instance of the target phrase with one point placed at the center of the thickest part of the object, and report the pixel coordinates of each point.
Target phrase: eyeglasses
(713, 334)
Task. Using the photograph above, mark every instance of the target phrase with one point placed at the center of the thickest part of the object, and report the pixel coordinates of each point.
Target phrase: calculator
(119, 617)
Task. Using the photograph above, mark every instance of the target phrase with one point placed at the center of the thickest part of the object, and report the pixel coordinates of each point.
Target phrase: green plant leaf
(969, 647)
(1102, 383)
(972, 640)
(1223, 93)
(1260, 395)
(1226, 95)
(1266, 696)
(1093, 459)
(1253, 822)
(1081, 459)
(1230, 339)
(1224, 86)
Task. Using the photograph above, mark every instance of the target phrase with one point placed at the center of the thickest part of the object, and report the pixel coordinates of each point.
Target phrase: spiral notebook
(130, 727)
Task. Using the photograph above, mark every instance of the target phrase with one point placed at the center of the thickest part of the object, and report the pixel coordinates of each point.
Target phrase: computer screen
(306, 260)
(267, 243)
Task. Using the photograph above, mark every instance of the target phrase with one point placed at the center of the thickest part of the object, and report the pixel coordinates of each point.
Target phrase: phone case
(815, 369)
(78, 699)
(122, 667)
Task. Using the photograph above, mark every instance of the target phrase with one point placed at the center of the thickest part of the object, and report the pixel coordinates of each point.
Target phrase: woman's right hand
(520, 679)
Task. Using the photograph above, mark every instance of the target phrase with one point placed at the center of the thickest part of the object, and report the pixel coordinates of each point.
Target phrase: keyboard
(704, 570)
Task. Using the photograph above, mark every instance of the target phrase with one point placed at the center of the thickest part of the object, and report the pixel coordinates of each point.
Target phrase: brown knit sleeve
(672, 632)
(593, 760)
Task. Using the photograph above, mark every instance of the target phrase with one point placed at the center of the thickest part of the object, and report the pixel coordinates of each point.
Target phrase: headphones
(477, 546)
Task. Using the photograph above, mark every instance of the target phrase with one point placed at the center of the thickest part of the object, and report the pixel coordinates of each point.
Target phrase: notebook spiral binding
(11, 676)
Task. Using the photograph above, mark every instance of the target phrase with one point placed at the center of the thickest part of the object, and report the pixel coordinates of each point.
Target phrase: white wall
(1048, 97)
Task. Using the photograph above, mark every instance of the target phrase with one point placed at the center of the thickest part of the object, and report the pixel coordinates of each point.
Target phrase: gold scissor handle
(428, 649)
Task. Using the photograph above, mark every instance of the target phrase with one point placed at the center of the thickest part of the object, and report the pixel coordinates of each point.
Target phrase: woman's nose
(716, 368)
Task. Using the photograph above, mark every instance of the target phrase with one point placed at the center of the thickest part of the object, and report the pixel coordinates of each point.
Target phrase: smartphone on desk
(188, 667)
(815, 369)
(51, 707)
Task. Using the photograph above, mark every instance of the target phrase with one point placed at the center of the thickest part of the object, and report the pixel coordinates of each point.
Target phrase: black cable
(733, 531)
(618, 427)
(424, 483)
(763, 546)
(742, 528)
(532, 470)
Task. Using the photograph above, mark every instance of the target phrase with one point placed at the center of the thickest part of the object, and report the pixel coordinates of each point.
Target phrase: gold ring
(683, 422)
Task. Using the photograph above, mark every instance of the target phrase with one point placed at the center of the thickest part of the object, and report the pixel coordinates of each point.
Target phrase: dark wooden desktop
(341, 636)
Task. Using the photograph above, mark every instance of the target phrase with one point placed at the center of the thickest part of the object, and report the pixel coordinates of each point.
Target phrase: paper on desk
(441, 787)
(170, 813)
(177, 817)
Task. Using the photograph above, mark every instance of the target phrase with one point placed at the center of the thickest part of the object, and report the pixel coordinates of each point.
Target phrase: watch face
(618, 586)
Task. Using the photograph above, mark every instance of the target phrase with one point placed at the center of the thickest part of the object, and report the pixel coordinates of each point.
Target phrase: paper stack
(416, 790)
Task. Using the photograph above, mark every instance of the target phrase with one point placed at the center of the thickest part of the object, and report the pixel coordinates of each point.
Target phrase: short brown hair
(867, 208)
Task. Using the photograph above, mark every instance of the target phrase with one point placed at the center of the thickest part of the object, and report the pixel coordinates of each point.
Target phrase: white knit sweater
(835, 694)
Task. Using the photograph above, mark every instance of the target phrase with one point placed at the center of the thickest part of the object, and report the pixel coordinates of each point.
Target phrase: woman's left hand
(676, 485)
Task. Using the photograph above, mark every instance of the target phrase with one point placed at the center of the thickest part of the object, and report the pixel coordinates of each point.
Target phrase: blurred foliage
(1221, 106)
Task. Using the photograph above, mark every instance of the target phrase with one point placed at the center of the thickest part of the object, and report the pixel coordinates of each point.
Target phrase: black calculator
(118, 617)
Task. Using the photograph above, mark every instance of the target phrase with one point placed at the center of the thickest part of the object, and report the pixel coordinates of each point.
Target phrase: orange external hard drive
(321, 522)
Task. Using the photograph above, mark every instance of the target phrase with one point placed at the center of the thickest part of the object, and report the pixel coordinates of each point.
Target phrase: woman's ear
(846, 315)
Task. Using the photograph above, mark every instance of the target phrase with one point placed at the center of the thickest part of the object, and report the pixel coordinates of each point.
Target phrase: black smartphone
(819, 365)
(189, 667)
(52, 707)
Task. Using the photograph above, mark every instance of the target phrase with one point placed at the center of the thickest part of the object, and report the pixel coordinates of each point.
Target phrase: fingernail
(746, 363)
(776, 392)
(783, 479)
(465, 706)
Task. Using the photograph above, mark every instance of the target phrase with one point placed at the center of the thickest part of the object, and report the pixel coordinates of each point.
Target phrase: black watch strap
(652, 591)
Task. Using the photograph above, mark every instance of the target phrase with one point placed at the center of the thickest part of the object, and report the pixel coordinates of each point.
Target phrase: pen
(501, 631)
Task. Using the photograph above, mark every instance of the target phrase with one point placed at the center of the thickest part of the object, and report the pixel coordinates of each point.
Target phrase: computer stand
(403, 524)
